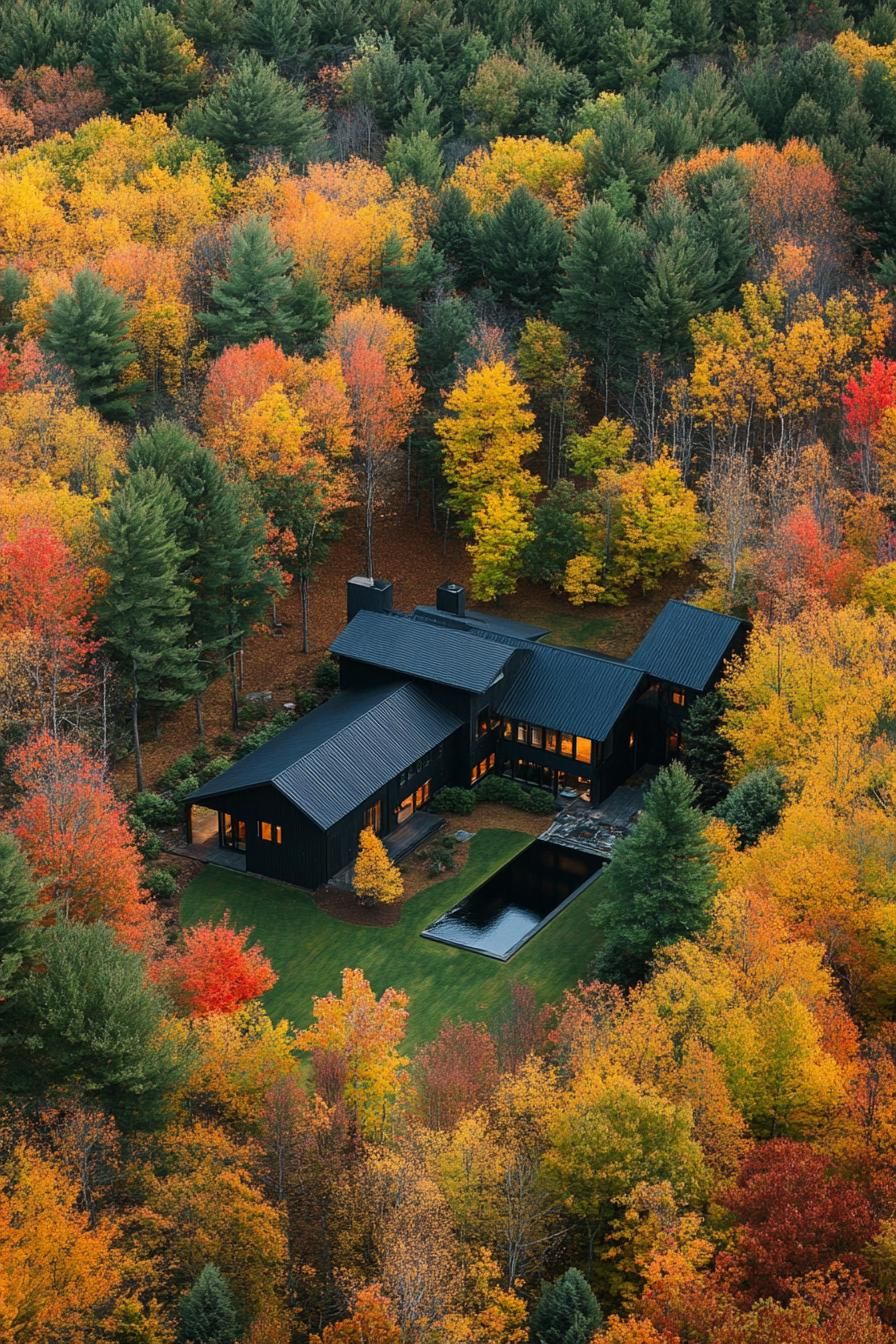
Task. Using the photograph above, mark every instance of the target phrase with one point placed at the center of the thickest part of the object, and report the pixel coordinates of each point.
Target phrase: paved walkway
(223, 858)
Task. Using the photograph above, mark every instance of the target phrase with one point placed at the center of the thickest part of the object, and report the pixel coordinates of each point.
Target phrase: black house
(445, 696)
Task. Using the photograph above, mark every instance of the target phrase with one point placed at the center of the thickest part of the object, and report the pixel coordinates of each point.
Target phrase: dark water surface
(513, 904)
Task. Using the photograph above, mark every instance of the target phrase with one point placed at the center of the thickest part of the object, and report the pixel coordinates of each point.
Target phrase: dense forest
(604, 288)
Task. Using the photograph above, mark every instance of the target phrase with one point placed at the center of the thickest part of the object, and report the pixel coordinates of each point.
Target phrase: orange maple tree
(215, 970)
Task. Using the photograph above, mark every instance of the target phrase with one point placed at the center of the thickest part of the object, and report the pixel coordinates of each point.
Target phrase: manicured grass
(309, 948)
(571, 628)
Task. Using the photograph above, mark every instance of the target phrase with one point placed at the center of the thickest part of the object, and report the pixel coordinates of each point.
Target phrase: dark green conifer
(520, 250)
(87, 330)
(659, 885)
(207, 1313)
(567, 1312)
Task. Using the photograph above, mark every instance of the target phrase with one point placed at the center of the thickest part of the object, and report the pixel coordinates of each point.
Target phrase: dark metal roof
(578, 693)
(481, 622)
(685, 644)
(335, 758)
(438, 653)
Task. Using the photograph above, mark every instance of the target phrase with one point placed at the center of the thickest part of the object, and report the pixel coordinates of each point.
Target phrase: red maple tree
(215, 971)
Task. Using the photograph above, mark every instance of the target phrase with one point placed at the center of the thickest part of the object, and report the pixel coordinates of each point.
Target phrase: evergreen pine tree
(878, 93)
(755, 804)
(723, 223)
(420, 116)
(567, 1312)
(207, 1313)
(253, 109)
(415, 158)
(144, 611)
(222, 539)
(871, 197)
(403, 284)
(312, 313)
(13, 288)
(18, 918)
(659, 883)
(442, 334)
(559, 535)
(87, 330)
(454, 232)
(213, 25)
(705, 748)
(520, 249)
(93, 1019)
(255, 297)
(280, 31)
(150, 65)
(603, 275)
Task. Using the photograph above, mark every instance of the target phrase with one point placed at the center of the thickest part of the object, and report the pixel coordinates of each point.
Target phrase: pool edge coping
(533, 933)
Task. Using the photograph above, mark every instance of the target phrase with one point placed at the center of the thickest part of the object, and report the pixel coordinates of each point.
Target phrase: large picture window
(233, 832)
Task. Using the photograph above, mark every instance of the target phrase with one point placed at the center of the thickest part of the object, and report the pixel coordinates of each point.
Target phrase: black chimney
(363, 594)
(450, 598)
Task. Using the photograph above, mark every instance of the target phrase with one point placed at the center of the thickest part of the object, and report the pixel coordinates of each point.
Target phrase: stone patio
(595, 830)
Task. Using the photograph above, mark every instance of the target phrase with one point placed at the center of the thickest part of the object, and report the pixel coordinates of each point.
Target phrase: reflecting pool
(516, 901)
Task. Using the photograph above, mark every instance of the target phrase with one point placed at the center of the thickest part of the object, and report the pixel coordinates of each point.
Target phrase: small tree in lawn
(207, 1312)
(659, 885)
(215, 971)
(87, 330)
(377, 879)
(567, 1311)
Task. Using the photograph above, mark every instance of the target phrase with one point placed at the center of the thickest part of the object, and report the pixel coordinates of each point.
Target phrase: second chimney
(451, 599)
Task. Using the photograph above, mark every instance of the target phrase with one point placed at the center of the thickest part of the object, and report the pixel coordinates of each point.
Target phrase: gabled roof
(334, 759)
(439, 653)
(481, 623)
(685, 645)
(579, 693)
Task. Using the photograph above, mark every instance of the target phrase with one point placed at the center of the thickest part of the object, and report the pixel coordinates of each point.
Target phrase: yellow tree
(377, 880)
(486, 436)
(501, 533)
(363, 1033)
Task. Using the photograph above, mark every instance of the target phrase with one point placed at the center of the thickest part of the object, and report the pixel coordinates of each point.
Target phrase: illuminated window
(508, 728)
(482, 768)
(233, 832)
(583, 748)
(521, 732)
(536, 737)
(373, 816)
(566, 747)
(674, 742)
(423, 793)
(678, 696)
(483, 726)
(631, 739)
(550, 740)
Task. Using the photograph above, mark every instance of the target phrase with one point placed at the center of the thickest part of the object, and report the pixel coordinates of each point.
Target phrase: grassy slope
(309, 949)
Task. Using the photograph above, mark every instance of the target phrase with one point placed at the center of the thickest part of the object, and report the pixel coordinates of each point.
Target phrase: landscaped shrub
(253, 711)
(326, 675)
(497, 789)
(186, 786)
(454, 799)
(177, 771)
(154, 810)
(147, 841)
(216, 766)
(257, 738)
(162, 883)
(305, 702)
(440, 856)
(201, 754)
(224, 741)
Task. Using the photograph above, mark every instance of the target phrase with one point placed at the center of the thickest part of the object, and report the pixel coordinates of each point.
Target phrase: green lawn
(309, 949)
(571, 629)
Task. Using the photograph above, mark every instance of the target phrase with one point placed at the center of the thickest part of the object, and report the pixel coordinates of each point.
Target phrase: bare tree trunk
(200, 717)
(304, 590)
(234, 692)
(138, 750)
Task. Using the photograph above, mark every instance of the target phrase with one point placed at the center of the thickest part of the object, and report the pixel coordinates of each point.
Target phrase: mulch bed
(345, 906)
